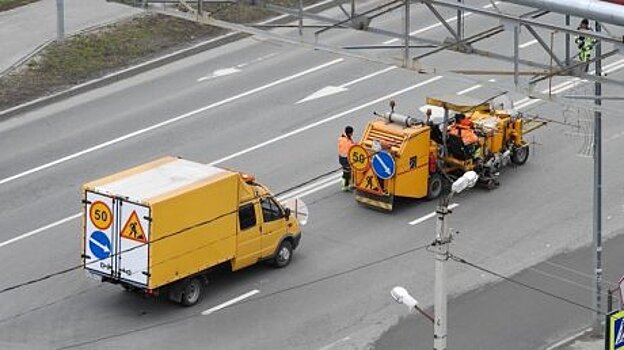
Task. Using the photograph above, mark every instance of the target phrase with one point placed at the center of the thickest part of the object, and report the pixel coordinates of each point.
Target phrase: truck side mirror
(287, 213)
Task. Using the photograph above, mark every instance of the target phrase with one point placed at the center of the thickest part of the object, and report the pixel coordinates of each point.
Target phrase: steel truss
(459, 40)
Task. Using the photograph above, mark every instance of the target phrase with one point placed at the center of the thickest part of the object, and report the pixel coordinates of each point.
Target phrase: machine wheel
(192, 291)
(129, 288)
(520, 155)
(435, 186)
(284, 254)
(491, 184)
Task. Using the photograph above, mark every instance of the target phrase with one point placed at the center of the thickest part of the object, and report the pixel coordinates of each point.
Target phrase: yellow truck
(414, 157)
(161, 227)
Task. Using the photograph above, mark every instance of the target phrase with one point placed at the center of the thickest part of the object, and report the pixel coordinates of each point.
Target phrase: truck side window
(270, 210)
(247, 216)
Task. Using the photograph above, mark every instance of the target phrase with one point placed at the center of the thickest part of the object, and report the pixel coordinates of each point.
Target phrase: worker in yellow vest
(345, 142)
(585, 44)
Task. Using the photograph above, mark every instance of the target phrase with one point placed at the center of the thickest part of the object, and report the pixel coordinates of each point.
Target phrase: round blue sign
(383, 165)
(100, 245)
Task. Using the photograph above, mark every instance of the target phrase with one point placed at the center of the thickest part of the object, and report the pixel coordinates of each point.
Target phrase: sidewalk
(507, 316)
(26, 28)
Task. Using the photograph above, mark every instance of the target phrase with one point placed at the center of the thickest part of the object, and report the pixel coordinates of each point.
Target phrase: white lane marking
(329, 346)
(472, 88)
(326, 182)
(304, 191)
(328, 119)
(169, 121)
(527, 44)
(297, 193)
(430, 215)
(316, 189)
(220, 73)
(39, 230)
(323, 92)
(567, 85)
(353, 82)
(230, 302)
(332, 90)
(235, 69)
(436, 25)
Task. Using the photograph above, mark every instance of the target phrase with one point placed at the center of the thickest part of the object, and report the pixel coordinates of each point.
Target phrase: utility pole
(406, 34)
(441, 250)
(60, 20)
(597, 327)
(441, 256)
(460, 21)
(567, 42)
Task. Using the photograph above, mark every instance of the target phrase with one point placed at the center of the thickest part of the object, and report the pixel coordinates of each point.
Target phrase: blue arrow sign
(383, 165)
(100, 245)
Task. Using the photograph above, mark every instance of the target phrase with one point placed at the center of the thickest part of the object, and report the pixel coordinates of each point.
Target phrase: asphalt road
(335, 294)
(513, 315)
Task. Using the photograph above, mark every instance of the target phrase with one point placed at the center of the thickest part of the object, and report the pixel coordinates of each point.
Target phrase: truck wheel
(520, 155)
(192, 291)
(284, 254)
(434, 187)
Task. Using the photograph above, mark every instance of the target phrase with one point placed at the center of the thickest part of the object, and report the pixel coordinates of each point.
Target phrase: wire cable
(247, 301)
(522, 284)
(163, 237)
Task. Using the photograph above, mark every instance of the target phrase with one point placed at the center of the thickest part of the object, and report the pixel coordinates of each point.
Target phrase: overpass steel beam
(526, 21)
(544, 45)
(593, 9)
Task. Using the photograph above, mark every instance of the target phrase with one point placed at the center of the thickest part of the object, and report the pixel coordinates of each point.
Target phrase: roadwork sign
(133, 229)
(370, 182)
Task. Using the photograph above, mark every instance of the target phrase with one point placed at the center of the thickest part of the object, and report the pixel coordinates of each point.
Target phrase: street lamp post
(441, 249)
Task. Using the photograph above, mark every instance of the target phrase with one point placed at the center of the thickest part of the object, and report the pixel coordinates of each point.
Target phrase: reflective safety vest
(585, 46)
(467, 135)
(344, 143)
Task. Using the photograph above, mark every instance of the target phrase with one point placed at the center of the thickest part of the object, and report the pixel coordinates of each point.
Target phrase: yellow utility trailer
(161, 226)
(414, 157)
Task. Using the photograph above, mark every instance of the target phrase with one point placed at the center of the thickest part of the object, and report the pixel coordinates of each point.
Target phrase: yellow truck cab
(162, 226)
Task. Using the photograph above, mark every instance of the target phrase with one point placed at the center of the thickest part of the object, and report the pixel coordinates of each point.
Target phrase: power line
(247, 301)
(525, 285)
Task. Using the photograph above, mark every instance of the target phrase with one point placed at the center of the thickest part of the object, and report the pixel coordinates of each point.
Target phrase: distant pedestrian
(585, 44)
(345, 141)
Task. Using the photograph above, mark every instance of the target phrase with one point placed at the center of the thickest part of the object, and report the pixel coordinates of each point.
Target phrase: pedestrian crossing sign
(615, 331)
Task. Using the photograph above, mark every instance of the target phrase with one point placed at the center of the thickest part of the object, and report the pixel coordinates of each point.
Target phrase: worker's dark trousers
(346, 170)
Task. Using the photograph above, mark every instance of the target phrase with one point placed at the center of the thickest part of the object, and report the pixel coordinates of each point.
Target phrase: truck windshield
(270, 209)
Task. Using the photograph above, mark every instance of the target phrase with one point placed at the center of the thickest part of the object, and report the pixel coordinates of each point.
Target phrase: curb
(143, 67)
(122, 74)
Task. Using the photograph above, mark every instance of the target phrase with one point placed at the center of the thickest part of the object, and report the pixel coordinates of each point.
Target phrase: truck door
(99, 236)
(116, 236)
(133, 253)
(249, 240)
(273, 226)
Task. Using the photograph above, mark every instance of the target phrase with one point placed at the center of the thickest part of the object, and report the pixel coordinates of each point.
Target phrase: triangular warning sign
(133, 229)
(370, 182)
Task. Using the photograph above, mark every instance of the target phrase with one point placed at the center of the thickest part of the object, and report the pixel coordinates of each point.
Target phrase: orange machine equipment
(404, 156)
